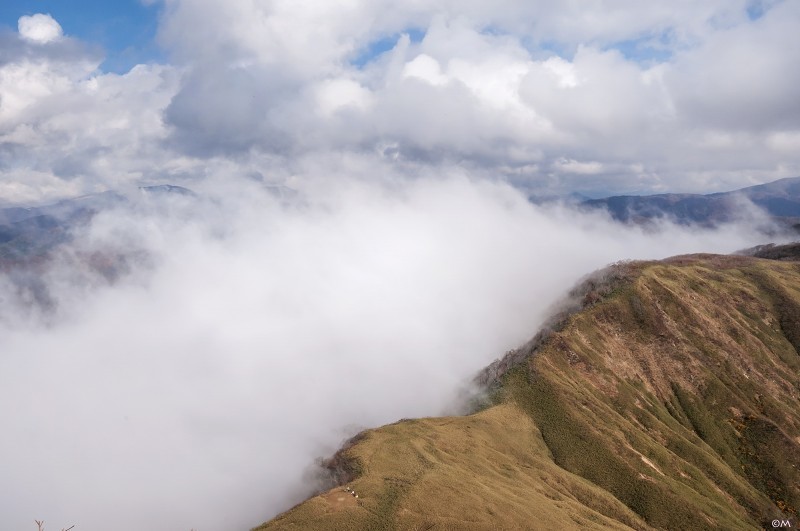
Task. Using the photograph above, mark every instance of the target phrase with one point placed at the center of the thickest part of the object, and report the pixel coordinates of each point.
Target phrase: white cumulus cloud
(39, 28)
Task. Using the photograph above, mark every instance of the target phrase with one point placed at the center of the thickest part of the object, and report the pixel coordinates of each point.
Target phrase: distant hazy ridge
(779, 199)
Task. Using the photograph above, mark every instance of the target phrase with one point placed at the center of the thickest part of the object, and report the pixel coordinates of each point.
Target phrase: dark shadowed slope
(780, 199)
(670, 401)
(787, 252)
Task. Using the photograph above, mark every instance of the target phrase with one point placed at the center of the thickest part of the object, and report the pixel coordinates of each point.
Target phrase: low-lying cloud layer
(252, 334)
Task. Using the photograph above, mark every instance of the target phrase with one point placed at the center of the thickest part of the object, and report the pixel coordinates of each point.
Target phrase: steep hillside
(671, 400)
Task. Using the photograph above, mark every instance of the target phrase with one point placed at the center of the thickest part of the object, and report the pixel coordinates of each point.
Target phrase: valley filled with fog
(246, 335)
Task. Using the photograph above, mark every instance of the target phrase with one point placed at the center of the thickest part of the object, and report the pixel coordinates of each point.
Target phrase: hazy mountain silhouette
(779, 199)
(28, 234)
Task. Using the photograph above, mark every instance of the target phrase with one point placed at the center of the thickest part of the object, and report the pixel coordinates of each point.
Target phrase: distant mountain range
(666, 397)
(28, 234)
(31, 236)
(779, 199)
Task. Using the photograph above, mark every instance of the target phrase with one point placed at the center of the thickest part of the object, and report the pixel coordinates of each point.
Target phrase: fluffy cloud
(39, 28)
(67, 128)
(479, 88)
(663, 95)
(740, 78)
(253, 335)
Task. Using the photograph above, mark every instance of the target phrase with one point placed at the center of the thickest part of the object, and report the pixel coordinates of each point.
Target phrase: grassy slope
(672, 402)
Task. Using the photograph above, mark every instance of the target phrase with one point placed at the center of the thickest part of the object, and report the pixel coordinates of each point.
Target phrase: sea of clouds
(249, 334)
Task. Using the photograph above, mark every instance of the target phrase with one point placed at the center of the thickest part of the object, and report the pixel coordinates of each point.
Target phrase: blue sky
(385, 44)
(124, 28)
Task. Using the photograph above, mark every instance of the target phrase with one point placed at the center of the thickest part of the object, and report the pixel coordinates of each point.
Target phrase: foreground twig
(40, 524)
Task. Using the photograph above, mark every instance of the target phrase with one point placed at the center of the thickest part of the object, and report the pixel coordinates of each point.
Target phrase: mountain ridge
(779, 199)
(666, 396)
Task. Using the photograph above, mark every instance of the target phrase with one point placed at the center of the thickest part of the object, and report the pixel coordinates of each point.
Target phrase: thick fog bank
(248, 334)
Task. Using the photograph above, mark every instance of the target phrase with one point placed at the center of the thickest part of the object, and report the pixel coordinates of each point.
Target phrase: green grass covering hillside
(670, 401)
